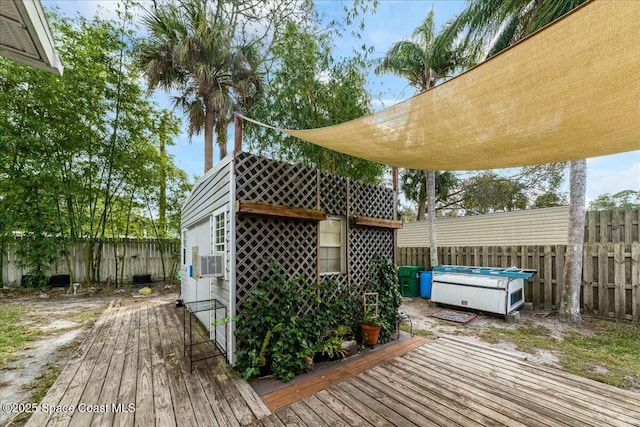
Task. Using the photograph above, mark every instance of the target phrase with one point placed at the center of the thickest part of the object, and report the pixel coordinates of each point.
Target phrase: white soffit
(25, 35)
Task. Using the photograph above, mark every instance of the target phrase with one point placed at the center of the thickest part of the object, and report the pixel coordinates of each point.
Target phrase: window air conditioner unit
(212, 265)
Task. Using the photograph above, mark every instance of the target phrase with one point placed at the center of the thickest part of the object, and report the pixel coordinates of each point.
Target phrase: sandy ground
(65, 321)
(420, 311)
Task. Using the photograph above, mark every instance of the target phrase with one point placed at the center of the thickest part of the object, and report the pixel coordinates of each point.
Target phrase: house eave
(25, 35)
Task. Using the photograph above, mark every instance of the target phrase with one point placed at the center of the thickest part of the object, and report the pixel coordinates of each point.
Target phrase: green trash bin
(409, 276)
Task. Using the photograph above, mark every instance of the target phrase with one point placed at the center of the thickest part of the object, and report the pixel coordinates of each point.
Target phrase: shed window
(332, 245)
(218, 233)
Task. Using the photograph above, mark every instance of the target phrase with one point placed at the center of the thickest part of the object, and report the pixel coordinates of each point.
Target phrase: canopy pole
(237, 146)
(394, 184)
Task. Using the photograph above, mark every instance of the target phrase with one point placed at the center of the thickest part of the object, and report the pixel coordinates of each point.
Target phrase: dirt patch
(63, 321)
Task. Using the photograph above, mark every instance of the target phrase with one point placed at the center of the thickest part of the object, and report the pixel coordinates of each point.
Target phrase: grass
(84, 318)
(15, 333)
(42, 383)
(608, 353)
(420, 332)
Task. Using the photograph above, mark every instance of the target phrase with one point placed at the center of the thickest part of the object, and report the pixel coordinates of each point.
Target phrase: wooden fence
(134, 256)
(610, 278)
(612, 226)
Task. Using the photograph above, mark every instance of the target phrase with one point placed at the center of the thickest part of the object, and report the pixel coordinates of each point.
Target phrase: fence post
(635, 281)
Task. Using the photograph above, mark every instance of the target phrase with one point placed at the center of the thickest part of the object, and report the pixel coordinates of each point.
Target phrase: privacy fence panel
(126, 257)
(610, 279)
(612, 226)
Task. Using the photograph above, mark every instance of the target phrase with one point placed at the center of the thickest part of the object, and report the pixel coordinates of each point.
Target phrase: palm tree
(413, 185)
(424, 61)
(500, 24)
(190, 50)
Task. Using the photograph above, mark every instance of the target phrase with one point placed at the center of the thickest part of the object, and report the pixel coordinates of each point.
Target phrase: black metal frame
(194, 307)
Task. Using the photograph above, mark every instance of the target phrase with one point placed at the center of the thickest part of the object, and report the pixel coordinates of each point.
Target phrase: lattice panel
(333, 194)
(364, 245)
(370, 200)
(263, 180)
(262, 241)
(329, 290)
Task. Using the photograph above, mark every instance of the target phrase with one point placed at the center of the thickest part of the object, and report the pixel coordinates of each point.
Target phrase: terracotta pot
(370, 334)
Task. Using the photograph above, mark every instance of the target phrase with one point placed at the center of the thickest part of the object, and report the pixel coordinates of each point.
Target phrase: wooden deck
(134, 356)
(448, 382)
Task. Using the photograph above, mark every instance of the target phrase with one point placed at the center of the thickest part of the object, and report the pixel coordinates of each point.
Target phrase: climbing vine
(286, 321)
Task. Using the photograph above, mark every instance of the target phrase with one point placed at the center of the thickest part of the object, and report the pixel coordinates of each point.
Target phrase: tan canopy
(570, 91)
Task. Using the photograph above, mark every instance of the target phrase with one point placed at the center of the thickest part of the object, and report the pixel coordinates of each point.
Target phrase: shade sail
(570, 91)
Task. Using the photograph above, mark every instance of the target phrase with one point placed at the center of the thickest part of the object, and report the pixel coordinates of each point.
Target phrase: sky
(393, 21)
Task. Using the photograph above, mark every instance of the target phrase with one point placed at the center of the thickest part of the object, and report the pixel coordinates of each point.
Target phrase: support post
(237, 146)
(394, 183)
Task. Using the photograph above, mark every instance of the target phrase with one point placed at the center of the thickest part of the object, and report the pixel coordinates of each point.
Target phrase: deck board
(134, 354)
(111, 385)
(99, 374)
(316, 383)
(163, 407)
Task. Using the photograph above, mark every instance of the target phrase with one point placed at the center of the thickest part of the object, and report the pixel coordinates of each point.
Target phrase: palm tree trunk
(570, 300)
(209, 121)
(221, 135)
(422, 204)
(162, 199)
(431, 210)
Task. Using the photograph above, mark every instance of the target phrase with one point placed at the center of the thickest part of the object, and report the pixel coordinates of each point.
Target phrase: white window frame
(218, 222)
(217, 247)
(342, 246)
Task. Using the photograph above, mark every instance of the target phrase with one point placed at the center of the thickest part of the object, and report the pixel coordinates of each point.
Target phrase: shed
(250, 212)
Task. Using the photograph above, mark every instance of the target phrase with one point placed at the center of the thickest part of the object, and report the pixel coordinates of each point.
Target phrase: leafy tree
(209, 52)
(308, 89)
(624, 199)
(424, 62)
(500, 24)
(414, 187)
(77, 152)
(488, 192)
(548, 200)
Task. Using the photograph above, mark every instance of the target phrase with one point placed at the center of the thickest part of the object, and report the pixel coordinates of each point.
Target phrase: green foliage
(548, 200)
(414, 187)
(283, 322)
(426, 58)
(265, 344)
(373, 320)
(79, 154)
(607, 354)
(384, 281)
(276, 335)
(489, 192)
(623, 200)
(190, 48)
(499, 24)
(279, 336)
(307, 89)
(331, 347)
(15, 333)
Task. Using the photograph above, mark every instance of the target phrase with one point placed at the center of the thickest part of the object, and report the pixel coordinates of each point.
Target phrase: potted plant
(371, 325)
